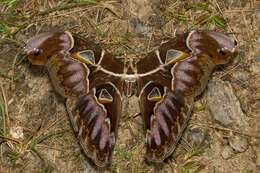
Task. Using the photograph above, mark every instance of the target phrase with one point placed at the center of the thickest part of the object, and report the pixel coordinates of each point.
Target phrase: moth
(166, 81)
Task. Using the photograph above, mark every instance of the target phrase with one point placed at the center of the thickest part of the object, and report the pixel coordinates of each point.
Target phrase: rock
(138, 27)
(239, 144)
(199, 137)
(227, 152)
(16, 132)
(223, 104)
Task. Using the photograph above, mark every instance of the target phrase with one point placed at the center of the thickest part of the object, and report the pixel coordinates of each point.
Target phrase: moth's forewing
(69, 77)
(107, 70)
(152, 69)
(43, 46)
(218, 46)
(177, 43)
(83, 44)
(149, 63)
(190, 76)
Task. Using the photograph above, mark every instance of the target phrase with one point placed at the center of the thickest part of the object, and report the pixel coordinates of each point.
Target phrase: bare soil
(35, 133)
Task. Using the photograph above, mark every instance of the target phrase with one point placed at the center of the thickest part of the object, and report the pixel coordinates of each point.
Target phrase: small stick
(225, 129)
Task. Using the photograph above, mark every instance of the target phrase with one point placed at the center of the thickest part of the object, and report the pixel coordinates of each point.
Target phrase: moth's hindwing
(69, 77)
(94, 118)
(164, 120)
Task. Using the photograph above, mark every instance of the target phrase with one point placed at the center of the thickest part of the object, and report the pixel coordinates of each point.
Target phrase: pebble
(227, 152)
(17, 132)
(199, 137)
(239, 144)
(139, 27)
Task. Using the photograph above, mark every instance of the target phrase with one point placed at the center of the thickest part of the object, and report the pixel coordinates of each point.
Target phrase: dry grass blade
(4, 75)
(4, 111)
(66, 7)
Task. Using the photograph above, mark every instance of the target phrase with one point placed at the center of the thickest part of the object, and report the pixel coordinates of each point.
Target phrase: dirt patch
(35, 133)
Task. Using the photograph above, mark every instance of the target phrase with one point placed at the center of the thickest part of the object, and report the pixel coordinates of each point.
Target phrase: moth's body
(166, 81)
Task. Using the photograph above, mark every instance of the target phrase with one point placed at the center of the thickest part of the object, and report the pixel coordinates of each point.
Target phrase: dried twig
(66, 7)
(5, 114)
(221, 11)
(9, 139)
(226, 129)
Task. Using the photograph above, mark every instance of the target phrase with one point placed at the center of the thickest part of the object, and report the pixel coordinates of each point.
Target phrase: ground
(223, 134)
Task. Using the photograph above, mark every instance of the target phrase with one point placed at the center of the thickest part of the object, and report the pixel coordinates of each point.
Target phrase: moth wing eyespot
(222, 51)
(235, 43)
(86, 56)
(172, 56)
(36, 52)
(155, 95)
(105, 97)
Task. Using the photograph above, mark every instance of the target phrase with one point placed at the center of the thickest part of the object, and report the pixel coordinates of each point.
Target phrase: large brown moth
(93, 82)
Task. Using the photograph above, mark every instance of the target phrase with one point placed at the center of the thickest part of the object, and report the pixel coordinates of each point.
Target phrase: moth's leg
(69, 77)
(165, 114)
(94, 118)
